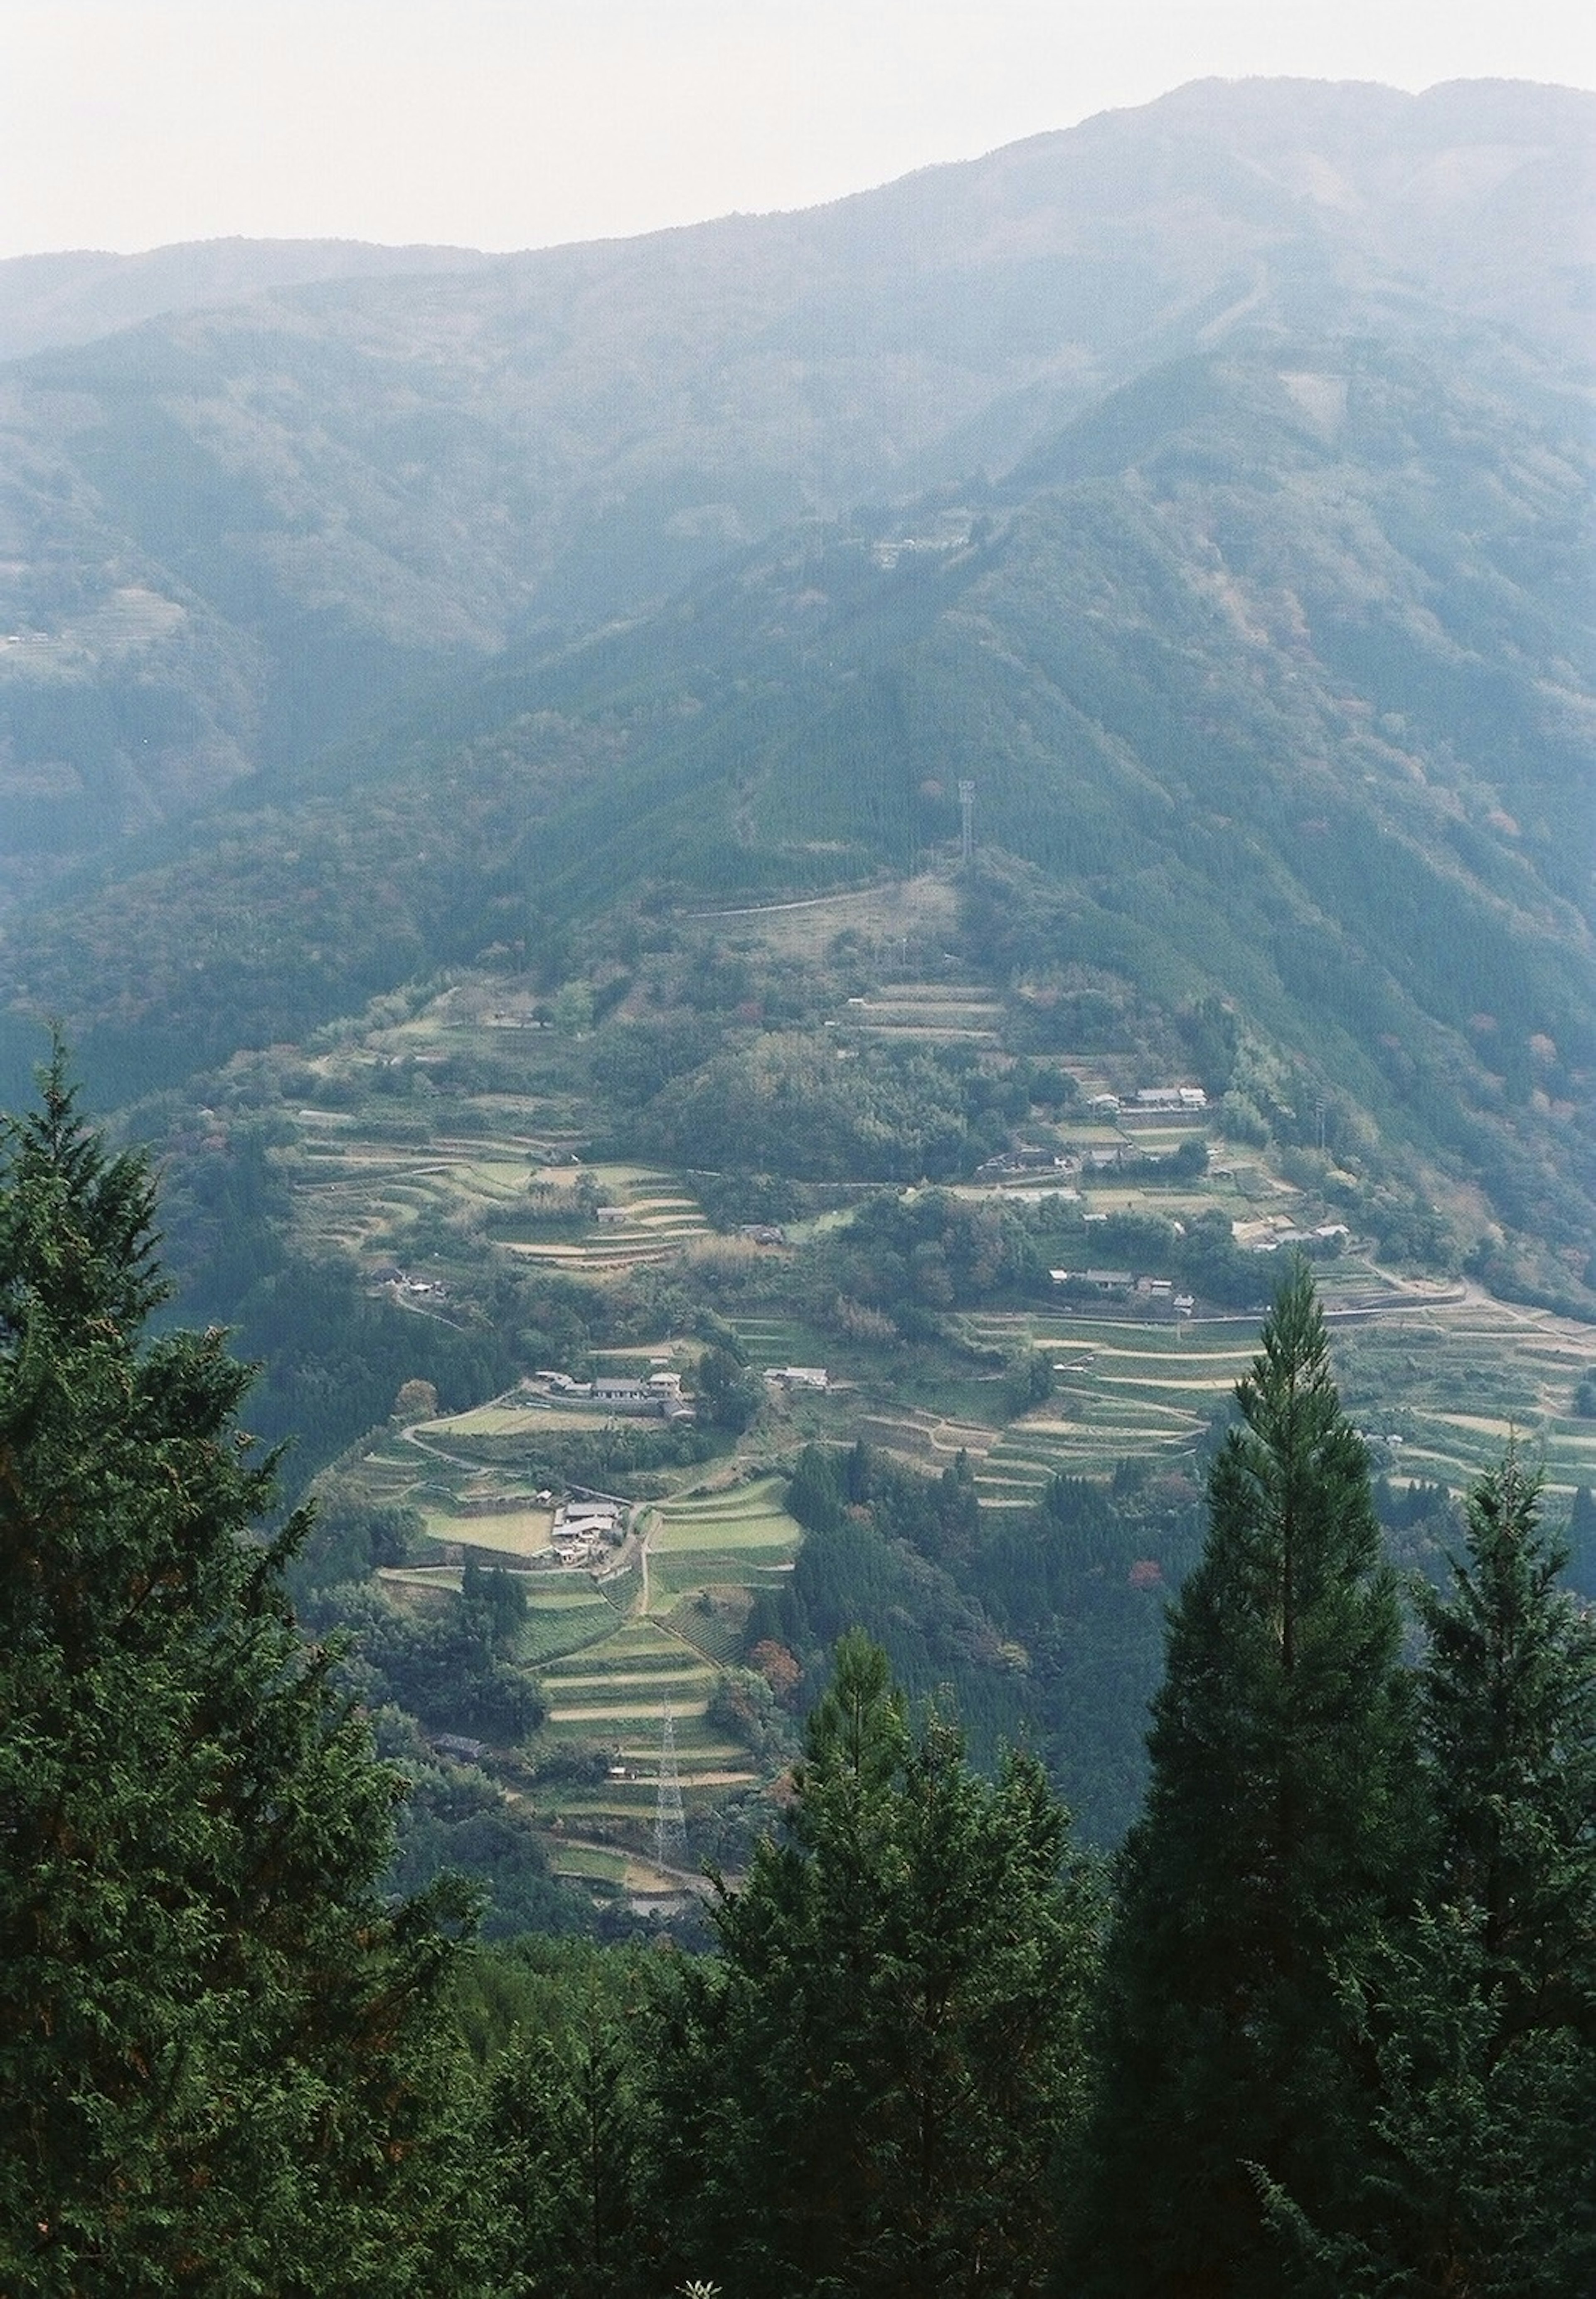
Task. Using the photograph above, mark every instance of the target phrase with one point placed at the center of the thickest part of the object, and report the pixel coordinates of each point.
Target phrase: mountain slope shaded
(229, 534)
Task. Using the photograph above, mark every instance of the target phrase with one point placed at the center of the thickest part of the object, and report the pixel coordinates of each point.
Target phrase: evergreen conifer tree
(873, 2088)
(1479, 2016)
(216, 2042)
(1268, 1847)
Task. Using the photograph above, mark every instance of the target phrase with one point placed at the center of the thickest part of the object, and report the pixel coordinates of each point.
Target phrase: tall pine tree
(873, 2088)
(217, 2044)
(1269, 1844)
(1479, 2016)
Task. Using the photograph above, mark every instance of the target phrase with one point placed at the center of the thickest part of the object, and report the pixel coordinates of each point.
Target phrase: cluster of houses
(1008, 1163)
(659, 1396)
(584, 1531)
(1120, 1284)
(1329, 1237)
(406, 1287)
(798, 1376)
(1150, 1101)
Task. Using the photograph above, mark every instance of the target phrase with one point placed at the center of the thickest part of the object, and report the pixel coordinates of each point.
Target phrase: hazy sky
(514, 123)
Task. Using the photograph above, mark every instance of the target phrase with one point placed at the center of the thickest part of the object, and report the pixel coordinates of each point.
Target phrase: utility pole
(671, 1821)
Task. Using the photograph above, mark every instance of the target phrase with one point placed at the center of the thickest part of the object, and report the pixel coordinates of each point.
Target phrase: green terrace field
(647, 1218)
(363, 1194)
(430, 1185)
(1438, 1384)
(612, 1651)
(929, 1014)
(359, 1193)
(702, 1556)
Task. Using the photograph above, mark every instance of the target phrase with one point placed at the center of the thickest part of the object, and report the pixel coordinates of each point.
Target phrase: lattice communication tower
(670, 1820)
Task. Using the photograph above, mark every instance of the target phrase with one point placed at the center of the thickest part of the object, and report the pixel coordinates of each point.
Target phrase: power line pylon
(967, 820)
(670, 1820)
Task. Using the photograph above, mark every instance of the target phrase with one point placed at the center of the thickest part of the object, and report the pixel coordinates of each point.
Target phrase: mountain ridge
(231, 533)
(1248, 716)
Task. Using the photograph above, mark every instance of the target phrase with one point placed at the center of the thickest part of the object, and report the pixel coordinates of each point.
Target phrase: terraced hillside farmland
(361, 1191)
(702, 1558)
(1440, 1378)
(465, 1154)
(616, 1646)
(929, 1014)
(641, 1217)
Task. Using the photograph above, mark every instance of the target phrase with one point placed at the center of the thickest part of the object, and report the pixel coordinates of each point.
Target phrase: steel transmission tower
(967, 814)
(671, 1821)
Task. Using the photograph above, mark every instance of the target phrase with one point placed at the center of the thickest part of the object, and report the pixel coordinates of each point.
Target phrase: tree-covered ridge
(1247, 734)
(236, 530)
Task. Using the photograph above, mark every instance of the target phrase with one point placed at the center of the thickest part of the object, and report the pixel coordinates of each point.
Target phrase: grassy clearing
(926, 905)
(508, 1532)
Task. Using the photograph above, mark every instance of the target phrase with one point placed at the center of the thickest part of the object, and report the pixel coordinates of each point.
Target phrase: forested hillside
(1273, 676)
(231, 531)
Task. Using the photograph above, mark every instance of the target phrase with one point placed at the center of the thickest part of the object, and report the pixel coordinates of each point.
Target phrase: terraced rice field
(657, 1218)
(1438, 1385)
(1119, 1390)
(705, 1554)
(777, 1341)
(358, 1193)
(929, 1013)
(747, 1518)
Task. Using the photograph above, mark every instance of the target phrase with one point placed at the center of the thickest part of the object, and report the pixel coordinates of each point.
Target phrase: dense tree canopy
(1477, 2011)
(217, 2046)
(1270, 1843)
(874, 2087)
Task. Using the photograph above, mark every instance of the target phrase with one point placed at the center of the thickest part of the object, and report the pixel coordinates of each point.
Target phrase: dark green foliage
(1582, 1543)
(564, 2138)
(876, 2086)
(1477, 2017)
(335, 1358)
(729, 1395)
(913, 1255)
(218, 2049)
(1078, 1586)
(1030, 1381)
(886, 1551)
(1269, 1846)
(452, 1666)
(455, 1822)
(1510, 1736)
(809, 1109)
(1044, 1624)
(351, 1537)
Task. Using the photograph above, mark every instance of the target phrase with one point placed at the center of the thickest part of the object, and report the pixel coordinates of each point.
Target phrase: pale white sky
(513, 123)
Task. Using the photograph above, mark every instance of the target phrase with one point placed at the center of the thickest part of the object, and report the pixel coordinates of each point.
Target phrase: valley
(453, 1144)
(758, 881)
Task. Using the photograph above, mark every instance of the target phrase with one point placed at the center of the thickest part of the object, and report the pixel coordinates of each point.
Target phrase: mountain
(229, 534)
(1274, 674)
(50, 301)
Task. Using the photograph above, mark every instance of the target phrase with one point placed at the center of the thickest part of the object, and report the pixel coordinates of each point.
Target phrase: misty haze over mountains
(1210, 482)
(234, 528)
